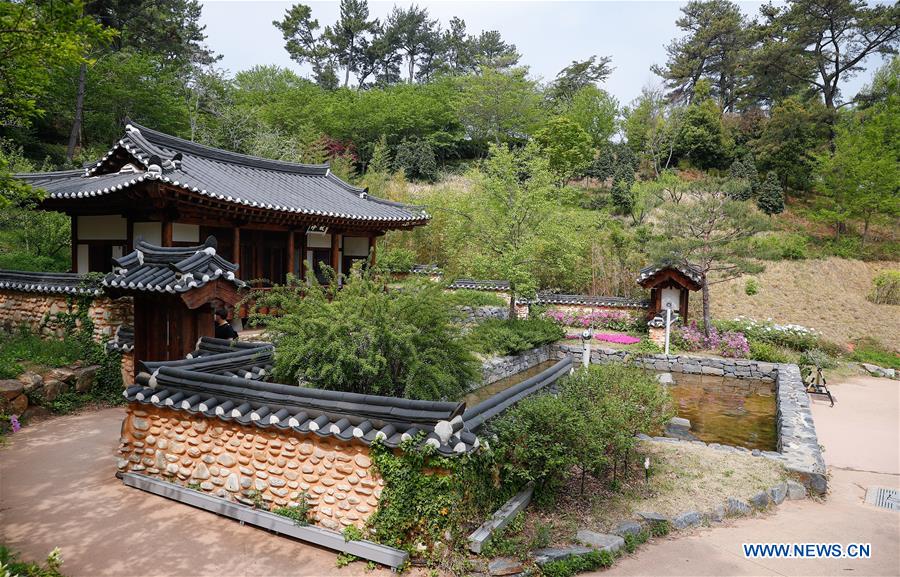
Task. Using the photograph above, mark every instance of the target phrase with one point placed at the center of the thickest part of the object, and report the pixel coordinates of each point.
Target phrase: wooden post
(302, 270)
(74, 228)
(336, 251)
(167, 233)
(129, 235)
(291, 260)
(372, 239)
(236, 248)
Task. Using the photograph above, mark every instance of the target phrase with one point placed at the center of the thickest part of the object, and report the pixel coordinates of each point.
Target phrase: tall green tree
(714, 48)
(567, 147)
(654, 129)
(578, 75)
(345, 37)
(823, 43)
(707, 231)
(595, 111)
(861, 179)
(412, 31)
(498, 105)
(703, 140)
(306, 45)
(771, 196)
(796, 132)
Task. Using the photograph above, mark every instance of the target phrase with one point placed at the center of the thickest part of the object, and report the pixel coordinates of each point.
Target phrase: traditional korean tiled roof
(47, 282)
(123, 340)
(648, 273)
(585, 300)
(480, 285)
(303, 189)
(201, 385)
(170, 269)
(431, 269)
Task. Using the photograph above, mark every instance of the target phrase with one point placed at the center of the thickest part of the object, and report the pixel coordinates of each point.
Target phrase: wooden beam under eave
(167, 233)
(73, 220)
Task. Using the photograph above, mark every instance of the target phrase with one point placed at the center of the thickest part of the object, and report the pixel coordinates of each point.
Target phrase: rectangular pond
(728, 411)
(488, 391)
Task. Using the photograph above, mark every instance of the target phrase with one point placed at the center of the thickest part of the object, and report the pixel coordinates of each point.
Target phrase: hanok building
(268, 216)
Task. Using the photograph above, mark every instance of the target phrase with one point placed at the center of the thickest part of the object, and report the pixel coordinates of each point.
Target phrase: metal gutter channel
(368, 550)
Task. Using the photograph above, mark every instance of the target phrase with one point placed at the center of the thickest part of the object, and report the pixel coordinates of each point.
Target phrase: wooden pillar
(167, 233)
(74, 229)
(335, 251)
(302, 269)
(129, 235)
(291, 260)
(236, 246)
(372, 239)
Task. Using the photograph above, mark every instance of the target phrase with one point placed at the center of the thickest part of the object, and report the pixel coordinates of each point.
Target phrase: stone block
(505, 566)
(688, 519)
(735, 507)
(600, 541)
(778, 493)
(627, 528)
(761, 500)
(546, 555)
(795, 491)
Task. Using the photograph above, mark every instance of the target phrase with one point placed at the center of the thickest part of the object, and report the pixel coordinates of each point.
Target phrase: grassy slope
(828, 295)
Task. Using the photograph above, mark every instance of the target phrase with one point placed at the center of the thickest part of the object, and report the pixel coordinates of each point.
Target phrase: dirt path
(57, 489)
(861, 435)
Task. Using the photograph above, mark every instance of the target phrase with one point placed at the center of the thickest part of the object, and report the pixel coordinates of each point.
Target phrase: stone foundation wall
(242, 464)
(473, 315)
(128, 368)
(39, 313)
(496, 368)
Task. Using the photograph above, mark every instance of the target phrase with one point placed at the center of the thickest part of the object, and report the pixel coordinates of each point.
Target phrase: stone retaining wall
(496, 368)
(473, 315)
(39, 313)
(733, 368)
(244, 464)
(798, 445)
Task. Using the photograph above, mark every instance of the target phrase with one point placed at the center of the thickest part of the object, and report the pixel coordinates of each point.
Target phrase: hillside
(828, 295)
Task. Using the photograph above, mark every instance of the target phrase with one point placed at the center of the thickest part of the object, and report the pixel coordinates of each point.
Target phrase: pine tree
(771, 196)
(381, 157)
(621, 196)
(739, 172)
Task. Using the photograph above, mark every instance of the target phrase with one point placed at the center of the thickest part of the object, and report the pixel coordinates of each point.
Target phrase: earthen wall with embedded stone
(246, 464)
(39, 312)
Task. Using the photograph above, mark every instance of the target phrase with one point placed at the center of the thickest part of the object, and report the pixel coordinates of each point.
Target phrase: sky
(549, 35)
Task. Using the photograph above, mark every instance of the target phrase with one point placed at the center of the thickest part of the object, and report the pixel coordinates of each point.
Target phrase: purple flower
(14, 422)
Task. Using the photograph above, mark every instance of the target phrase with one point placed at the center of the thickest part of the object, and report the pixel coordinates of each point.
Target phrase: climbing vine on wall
(78, 326)
(428, 500)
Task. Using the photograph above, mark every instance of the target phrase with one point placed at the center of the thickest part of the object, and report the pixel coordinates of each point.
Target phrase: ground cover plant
(23, 348)
(508, 337)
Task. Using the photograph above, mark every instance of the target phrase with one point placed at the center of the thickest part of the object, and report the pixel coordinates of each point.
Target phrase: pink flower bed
(620, 339)
(610, 338)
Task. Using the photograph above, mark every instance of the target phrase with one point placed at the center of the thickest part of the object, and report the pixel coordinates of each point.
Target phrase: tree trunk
(865, 234)
(706, 320)
(512, 303)
(412, 67)
(75, 135)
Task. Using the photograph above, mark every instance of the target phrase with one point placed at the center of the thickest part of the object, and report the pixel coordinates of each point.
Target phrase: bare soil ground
(828, 295)
(683, 478)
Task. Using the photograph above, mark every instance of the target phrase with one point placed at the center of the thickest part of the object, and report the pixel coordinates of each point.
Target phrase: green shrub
(768, 353)
(660, 528)
(634, 540)
(648, 347)
(473, 298)
(793, 337)
(817, 358)
(399, 260)
(364, 339)
(591, 423)
(577, 564)
(780, 246)
(886, 289)
(10, 566)
(508, 337)
(751, 287)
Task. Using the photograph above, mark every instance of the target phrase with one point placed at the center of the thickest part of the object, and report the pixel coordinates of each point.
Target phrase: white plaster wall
(150, 231)
(185, 232)
(105, 227)
(356, 246)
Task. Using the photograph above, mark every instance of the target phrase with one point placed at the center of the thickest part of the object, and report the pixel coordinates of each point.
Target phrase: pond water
(729, 411)
(487, 391)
